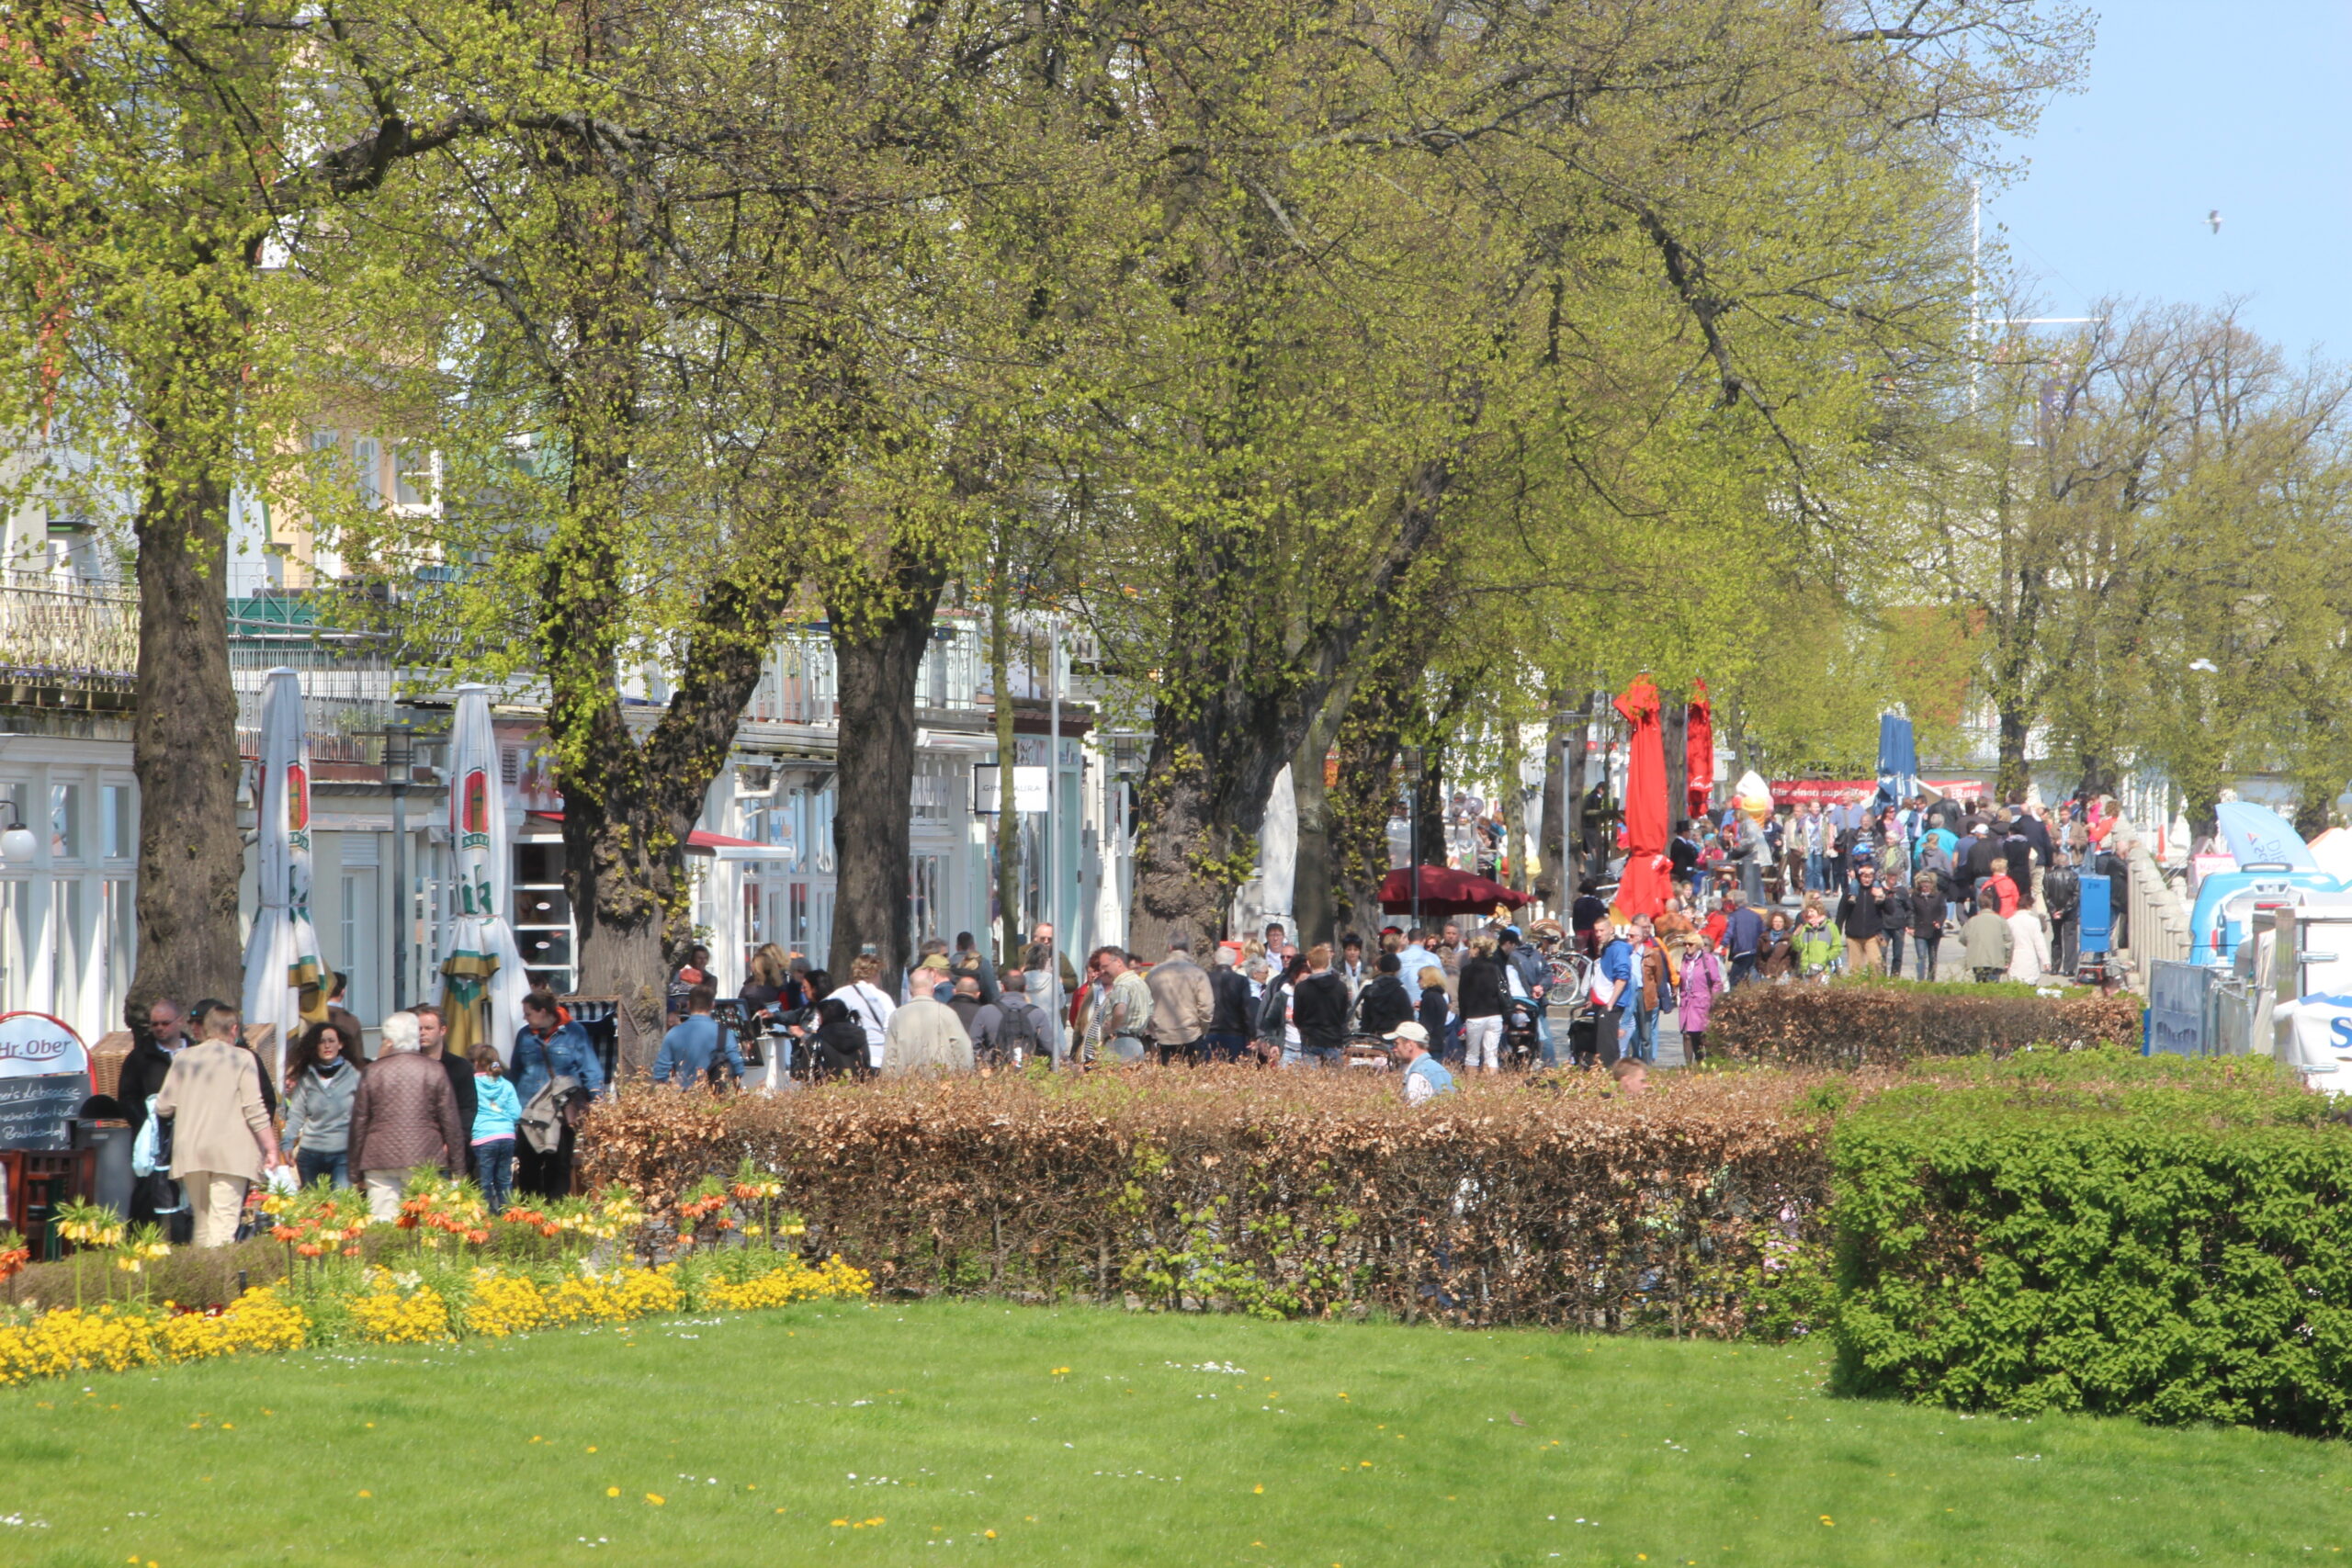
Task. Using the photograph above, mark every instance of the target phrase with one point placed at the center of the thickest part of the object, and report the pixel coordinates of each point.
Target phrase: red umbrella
(1647, 878)
(1700, 757)
(1444, 891)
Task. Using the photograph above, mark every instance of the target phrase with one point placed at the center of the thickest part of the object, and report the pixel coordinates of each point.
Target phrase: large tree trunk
(879, 651)
(628, 805)
(1514, 793)
(184, 737)
(1233, 712)
(1360, 807)
(1008, 818)
(2011, 782)
(1311, 899)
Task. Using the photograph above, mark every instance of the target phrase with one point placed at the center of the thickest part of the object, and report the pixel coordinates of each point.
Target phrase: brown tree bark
(1514, 803)
(2013, 776)
(878, 646)
(184, 739)
(1312, 902)
(1238, 698)
(1008, 819)
(1366, 796)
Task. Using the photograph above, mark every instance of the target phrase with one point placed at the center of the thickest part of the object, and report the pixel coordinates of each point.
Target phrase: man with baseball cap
(1425, 1076)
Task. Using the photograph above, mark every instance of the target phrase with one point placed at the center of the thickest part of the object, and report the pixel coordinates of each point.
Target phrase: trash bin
(110, 1178)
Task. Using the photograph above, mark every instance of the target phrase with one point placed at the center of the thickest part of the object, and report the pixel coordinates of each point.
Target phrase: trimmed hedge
(1279, 1193)
(1868, 1024)
(2177, 1249)
(2055, 1229)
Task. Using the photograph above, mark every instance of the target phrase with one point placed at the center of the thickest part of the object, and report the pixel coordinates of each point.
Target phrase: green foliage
(2177, 1249)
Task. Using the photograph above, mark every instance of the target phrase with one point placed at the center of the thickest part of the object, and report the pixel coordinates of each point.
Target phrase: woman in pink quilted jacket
(1702, 982)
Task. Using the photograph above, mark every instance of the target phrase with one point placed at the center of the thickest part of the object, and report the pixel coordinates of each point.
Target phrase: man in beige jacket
(1182, 1002)
(221, 1138)
(926, 1036)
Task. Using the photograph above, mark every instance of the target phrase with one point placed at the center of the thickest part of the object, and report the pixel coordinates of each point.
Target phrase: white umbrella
(483, 967)
(282, 967)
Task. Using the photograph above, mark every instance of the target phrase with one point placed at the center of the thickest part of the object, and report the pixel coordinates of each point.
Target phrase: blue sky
(2191, 104)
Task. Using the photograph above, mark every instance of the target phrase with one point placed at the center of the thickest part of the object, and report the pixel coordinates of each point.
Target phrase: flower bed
(455, 1273)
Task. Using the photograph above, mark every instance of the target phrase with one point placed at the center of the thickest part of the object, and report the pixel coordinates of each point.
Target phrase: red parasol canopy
(1648, 877)
(1699, 759)
(1444, 891)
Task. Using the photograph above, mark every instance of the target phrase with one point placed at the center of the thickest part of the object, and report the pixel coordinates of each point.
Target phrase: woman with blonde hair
(768, 984)
(868, 1005)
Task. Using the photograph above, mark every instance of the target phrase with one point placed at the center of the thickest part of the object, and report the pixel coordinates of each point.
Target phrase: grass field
(943, 1433)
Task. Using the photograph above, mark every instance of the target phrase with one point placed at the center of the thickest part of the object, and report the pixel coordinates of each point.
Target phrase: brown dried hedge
(1850, 1026)
(1279, 1193)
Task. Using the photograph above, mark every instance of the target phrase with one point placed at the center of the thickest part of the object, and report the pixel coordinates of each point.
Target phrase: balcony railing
(67, 632)
(802, 683)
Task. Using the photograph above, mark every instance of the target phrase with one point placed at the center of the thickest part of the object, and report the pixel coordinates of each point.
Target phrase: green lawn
(774, 1436)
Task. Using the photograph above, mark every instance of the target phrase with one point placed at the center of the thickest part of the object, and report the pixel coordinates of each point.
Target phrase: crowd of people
(211, 1122)
(1772, 899)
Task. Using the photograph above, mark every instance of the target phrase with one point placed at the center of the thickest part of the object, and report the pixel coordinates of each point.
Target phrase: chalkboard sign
(44, 1078)
(37, 1112)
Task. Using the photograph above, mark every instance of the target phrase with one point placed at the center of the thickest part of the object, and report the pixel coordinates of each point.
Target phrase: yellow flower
(655, 1498)
(612, 1491)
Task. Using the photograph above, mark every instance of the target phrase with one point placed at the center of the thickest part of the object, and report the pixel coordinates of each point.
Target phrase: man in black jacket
(149, 1059)
(2062, 899)
(1383, 1004)
(1862, 915)
(1227, 1039)
(1319, 1008)
(142, 1075)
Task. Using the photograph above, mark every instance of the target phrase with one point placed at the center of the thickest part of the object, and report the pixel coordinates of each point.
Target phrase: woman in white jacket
(2028, 941)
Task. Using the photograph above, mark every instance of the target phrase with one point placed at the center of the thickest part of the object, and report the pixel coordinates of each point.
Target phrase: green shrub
(1862, 1024)
(2178, 1247)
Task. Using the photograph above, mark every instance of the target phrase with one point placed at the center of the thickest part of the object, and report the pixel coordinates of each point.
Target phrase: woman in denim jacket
(550, 1047)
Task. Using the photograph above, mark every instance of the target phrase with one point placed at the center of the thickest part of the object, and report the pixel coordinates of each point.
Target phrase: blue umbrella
(1898, 760)
(2258, 835)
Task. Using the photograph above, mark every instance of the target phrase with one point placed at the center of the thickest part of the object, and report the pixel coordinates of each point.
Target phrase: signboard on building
(1857, 792)
(44, 1078)
(1029, 787)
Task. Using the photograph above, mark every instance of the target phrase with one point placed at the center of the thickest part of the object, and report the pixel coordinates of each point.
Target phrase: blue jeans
(1316, 1056)
(1225, 1047)
(494, 1168)
(1551, 1052)
(1815, 881)
(309, 1166)
(1638, 1034)
(1923, 949)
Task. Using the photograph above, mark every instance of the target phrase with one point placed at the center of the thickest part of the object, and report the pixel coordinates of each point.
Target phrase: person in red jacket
(1999, 889)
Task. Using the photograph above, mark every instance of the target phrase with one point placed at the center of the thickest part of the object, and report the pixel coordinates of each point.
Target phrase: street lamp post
(400, 763)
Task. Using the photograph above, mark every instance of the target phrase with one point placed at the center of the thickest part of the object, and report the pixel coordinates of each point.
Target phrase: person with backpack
(694, 1048)
(1383, 1004)
(1010, 1031)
